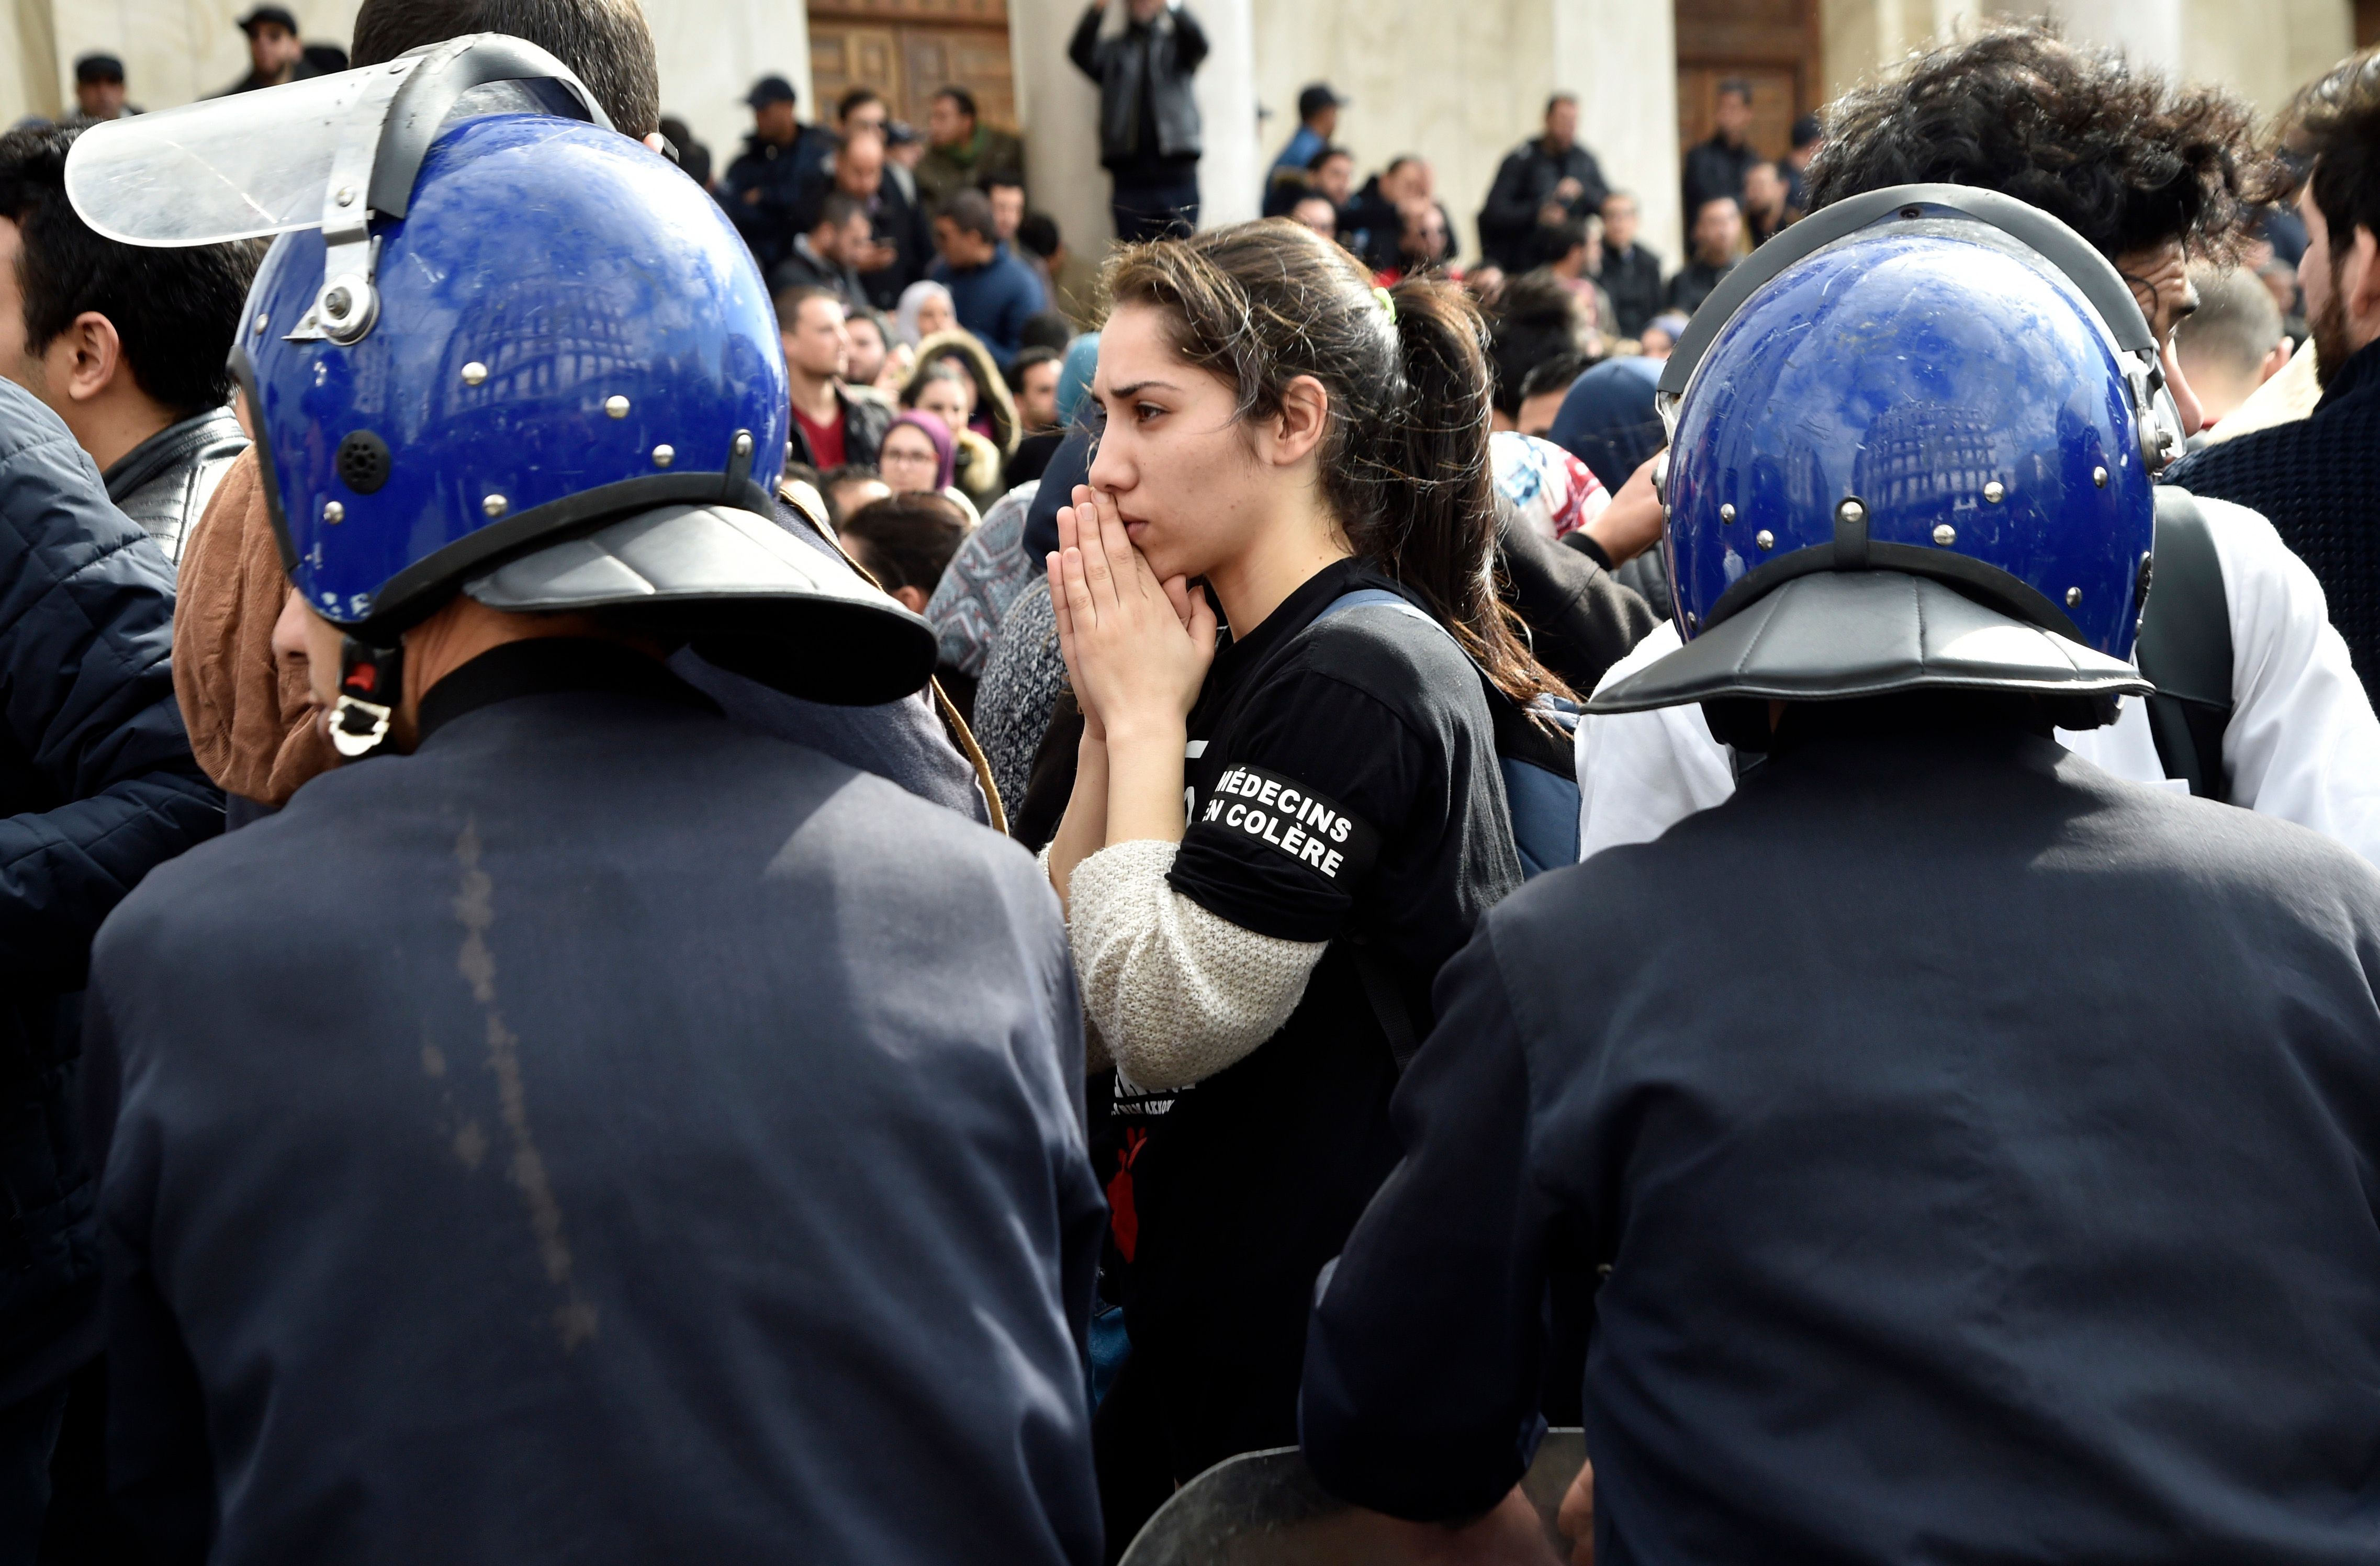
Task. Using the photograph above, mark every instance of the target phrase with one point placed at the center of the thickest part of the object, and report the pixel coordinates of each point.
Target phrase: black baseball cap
(98, 68)
(771, 89)
(1316, 98)
(268, 14)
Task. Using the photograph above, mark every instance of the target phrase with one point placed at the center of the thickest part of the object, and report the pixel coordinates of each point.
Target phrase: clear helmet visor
(264, 163)
(242, 168)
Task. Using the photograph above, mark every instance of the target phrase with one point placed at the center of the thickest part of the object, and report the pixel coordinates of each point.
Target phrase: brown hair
(2119, 154)
(605, 42)
(1404, 463)
(2331, 134)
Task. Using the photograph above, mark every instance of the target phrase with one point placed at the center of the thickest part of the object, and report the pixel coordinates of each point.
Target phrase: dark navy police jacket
(1982, 1150)
(604, 1134)
(96, 787)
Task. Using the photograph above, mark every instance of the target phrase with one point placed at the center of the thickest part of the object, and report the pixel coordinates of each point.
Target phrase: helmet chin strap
(371, 682)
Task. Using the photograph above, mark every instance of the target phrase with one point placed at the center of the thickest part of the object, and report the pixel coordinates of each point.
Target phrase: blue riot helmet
(1914, 440)
(500, 349)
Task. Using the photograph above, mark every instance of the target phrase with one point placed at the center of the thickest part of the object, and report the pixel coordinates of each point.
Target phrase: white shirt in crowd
(2302, 744)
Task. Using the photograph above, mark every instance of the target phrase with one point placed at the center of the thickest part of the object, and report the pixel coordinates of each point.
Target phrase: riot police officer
(1972, 1145)
(579, 1127)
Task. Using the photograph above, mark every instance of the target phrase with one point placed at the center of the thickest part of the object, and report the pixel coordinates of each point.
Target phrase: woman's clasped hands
(1136, 649)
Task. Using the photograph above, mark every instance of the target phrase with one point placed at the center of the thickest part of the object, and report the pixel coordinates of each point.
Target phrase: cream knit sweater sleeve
(1177, 992)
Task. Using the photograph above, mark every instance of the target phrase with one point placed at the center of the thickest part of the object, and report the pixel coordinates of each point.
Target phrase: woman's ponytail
(1405, 466)
(1438, 506)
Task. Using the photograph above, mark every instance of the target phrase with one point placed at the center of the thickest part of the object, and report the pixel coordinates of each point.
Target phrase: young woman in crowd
(943, 385)
(1252, 924)
(920, 456)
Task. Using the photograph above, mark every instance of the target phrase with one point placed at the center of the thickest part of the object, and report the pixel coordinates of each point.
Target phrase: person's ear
(2360, 279)
(1303, 420)
(86, 357)
(912, 599)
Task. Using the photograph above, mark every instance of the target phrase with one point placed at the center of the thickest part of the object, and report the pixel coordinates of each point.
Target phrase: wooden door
(1771, 45)
(908, 49)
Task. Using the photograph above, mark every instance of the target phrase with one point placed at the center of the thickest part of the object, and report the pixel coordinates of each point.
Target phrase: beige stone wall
(2264, 49)
(1458, 81)
(174, 51)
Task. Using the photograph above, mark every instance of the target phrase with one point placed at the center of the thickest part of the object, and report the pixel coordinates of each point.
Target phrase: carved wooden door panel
(908, 49)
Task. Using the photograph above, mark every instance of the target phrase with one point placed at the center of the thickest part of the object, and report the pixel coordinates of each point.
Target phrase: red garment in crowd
(825, 440)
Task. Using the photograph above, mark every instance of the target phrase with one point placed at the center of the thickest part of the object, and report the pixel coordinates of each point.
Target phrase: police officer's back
(1972, 1146)
(600, 1132)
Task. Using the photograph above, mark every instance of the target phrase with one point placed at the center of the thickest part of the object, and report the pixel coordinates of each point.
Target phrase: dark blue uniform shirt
(603, 1135)
(1983, 1151)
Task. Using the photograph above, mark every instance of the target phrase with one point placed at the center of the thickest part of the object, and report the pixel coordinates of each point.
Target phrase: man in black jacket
(2314, 479)
(1542, 182)
(1997, 1186)
(832, 426)
(97, 788)
(1630, 274)
(1149, 132)
(762, 190)
(1717, 168)
(1716, 235)
(902, 243)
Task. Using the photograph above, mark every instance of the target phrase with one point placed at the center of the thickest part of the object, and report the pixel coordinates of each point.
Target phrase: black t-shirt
(1341, 784)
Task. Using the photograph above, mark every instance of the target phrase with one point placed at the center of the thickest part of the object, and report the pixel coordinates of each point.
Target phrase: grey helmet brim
(748, 596)
(1834, 636)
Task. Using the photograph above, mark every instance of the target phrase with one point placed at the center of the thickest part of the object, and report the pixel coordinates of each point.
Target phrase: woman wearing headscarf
(920, 455)
(924, 311)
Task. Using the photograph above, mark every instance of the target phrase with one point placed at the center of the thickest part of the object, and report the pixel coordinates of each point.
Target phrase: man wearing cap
(99, 91)
(1317, 122)
(275, 55)
(762, 192)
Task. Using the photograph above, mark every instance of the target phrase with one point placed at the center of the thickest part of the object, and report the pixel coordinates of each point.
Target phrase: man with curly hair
(2149, 174)
(2317, 478)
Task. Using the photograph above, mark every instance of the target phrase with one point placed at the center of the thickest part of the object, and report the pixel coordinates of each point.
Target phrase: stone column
(1231, 171)
(27, 36)
(712, 51)
(1058, 108)
(1621, 57)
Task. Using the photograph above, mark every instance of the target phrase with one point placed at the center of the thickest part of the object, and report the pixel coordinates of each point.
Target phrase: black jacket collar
(545, 667)
(2356, 377)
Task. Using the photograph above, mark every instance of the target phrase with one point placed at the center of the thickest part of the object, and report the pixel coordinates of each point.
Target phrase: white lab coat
(2302, 744)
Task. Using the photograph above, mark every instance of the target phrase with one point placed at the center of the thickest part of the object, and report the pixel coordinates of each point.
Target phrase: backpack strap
(2185, 647)
(1372, 966)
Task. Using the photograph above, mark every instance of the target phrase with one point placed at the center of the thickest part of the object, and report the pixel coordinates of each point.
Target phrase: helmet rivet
(333, 512)
(494, 506)
(1994, 491)
(346, 197)
(2074, 598)
(1852, 511)
(1764, 539)
(617, 406)
(1945, 535)
(1727, 513)
(261, 319)
(2099, 477)
(663, 456)
(474, 373)
(743, 444)
(337, 302)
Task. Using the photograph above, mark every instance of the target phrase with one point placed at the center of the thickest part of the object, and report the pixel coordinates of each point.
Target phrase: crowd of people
(775, 869)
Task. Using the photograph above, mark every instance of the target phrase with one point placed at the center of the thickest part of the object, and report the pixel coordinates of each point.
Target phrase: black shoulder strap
(1379, 978)
(2185, 646)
